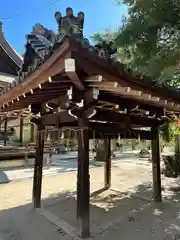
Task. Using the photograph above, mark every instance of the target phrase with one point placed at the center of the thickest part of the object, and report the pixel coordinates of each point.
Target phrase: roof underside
(121, 97)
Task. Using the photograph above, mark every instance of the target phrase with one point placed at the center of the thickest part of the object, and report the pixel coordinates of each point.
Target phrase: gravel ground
(121, 214)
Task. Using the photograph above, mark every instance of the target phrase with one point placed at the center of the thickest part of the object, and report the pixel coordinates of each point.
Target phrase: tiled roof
(8, 48)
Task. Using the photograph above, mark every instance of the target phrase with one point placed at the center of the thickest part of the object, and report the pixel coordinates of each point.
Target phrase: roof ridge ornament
(42, 42)
(70, 25)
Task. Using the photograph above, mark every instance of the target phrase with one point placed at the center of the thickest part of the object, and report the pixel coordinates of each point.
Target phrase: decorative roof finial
(70, 25)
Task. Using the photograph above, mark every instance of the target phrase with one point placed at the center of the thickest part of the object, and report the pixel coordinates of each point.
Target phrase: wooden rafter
(73, 67)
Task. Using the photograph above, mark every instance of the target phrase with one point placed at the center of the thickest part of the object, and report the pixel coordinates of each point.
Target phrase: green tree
(108, 36)
(151, 34)
(149, 43)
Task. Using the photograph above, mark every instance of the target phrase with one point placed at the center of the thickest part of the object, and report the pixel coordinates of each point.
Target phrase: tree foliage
(108, 36)
(167, 131)
(149, 43)
(151, 36)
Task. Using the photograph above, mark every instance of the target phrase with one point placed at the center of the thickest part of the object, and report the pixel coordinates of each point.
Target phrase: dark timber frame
(83, 181)
(93, 95)
(107, 166)
(37, 181)
(156, 165)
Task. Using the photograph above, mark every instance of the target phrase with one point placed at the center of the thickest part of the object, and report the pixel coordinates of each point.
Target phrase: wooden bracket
(70, 69)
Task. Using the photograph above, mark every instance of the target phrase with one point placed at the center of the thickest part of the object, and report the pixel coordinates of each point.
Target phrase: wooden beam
(112, 116)
(95, 65)
(107, 166)
(54, 65)
(156, 165)
(94, 78)
(114, 129)
(61, 117)
(133, 94)
(125, 102)
(38, 166)
(109, 129)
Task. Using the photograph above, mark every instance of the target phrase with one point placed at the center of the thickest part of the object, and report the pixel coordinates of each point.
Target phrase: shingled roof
(8, 49)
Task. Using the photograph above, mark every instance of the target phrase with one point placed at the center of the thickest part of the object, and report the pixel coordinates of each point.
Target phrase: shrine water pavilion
(64, 81)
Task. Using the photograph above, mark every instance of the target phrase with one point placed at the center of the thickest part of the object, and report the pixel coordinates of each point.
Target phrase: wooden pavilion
(79, 86)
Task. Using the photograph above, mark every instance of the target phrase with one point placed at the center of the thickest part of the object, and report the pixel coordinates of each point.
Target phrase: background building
(10, 62)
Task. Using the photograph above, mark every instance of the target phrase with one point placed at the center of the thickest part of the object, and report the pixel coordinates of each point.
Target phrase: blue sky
(99, 15)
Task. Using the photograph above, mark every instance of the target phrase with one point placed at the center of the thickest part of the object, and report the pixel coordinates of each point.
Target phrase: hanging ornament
(69, 140)
(119, 139)
(62, 135)
(48, 138)
(94, 145)
(139, 138)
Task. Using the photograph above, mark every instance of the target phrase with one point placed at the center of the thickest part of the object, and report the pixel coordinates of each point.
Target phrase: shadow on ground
(114, 215)
(117, 214)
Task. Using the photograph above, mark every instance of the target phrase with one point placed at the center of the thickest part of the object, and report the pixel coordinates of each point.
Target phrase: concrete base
(3, 177)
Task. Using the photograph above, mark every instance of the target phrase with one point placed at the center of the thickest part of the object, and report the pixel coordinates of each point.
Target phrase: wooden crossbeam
(93, 67)
(130, 92)
(111, 116)
(126, 121)
(102, 116)
(107, 129)
(94, 78)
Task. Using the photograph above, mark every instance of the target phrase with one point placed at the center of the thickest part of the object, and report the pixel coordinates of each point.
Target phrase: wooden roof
(7, 48)
(121, 97)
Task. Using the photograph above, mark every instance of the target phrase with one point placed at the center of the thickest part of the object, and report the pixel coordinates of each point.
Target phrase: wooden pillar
(5, 131)
(21, 131)
(38, 166)
(83, 179)
(156, 164)
(107, 166)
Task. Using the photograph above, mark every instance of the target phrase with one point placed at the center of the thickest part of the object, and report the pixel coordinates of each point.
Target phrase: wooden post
(5, 131)
(21, 131)
(38, 166)
(107, 166)
(156, 165)
(83, 183)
